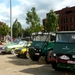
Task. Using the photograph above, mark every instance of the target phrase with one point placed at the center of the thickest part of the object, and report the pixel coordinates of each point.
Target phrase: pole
(11, 18)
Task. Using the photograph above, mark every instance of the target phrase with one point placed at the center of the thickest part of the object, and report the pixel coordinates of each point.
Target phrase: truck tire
(33, 56)
(54, 65)
(48, 56)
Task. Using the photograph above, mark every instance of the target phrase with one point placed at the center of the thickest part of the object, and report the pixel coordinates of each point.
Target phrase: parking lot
(11, 65)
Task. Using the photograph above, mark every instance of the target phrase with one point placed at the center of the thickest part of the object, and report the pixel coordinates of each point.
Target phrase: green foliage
(33, 20)
(17, 29)
(51, 23)
(27, 32)
(4, 29)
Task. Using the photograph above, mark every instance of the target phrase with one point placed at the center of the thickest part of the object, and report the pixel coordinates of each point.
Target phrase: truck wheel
(34, 58)
(48, 56)
(54, 65)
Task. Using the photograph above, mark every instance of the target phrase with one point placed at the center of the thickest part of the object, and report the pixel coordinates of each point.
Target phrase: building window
(70, 19)
(74, 18)
(61, 21)
(71, 27)
(66, 28)
(66, 20)
(68, 12)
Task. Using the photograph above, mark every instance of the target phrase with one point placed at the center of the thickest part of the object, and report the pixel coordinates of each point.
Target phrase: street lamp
(11, 19)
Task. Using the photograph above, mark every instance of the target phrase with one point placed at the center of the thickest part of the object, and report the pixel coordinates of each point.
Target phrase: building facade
(66, 19)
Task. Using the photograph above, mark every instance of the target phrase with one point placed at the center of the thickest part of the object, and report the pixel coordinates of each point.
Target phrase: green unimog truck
(42, 45)
(63, 54)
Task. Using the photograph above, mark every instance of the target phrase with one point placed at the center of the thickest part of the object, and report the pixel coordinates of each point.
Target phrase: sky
(21, 7)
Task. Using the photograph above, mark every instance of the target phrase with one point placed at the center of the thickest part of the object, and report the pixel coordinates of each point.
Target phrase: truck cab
(63, 55)
(42, 45)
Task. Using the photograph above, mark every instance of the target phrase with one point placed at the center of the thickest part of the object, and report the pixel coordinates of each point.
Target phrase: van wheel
(48, 56)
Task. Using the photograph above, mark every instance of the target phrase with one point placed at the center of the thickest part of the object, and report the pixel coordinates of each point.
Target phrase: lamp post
(11, 19)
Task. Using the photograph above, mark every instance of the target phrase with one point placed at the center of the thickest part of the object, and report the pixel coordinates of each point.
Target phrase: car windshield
(22, 42)
(16, 41)
(65, 38)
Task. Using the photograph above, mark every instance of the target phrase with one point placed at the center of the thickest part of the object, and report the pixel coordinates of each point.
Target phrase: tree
(4, 29)
(27, 32)
(51, 23)
(33, 20)
(17, 29)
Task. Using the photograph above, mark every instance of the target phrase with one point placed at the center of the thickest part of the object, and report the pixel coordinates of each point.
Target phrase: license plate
(37, 53)
(71, 62)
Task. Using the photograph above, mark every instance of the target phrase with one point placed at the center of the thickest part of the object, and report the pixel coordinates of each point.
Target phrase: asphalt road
(11, 65)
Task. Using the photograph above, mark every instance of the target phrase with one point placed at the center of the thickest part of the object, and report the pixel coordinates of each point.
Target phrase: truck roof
(46, 33)
(65, 32)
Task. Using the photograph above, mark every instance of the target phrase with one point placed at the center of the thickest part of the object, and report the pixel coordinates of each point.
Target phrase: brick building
(66, 18)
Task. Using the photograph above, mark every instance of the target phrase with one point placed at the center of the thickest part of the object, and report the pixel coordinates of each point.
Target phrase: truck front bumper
(57, 60)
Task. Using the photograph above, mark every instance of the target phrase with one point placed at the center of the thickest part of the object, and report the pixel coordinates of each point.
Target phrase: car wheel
(18, 55)
(27, 55)
(12, 51)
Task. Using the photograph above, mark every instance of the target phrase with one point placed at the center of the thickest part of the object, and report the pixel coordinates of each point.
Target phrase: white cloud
(19, 10)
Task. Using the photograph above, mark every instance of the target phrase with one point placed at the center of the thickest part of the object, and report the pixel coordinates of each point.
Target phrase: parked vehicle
(42, 45)
(1, 46)
(23, 51)
(9, 48)
(63, 54)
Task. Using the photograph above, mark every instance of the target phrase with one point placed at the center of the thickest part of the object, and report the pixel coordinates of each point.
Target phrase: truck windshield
(65, 38)
(40, 38)
(43, 37)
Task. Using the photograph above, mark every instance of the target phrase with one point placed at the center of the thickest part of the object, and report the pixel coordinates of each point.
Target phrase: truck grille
(69, 55)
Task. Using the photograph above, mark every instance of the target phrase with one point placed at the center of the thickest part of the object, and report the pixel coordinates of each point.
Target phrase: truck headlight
(73, 56)
(39, 50)
(54, 54)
